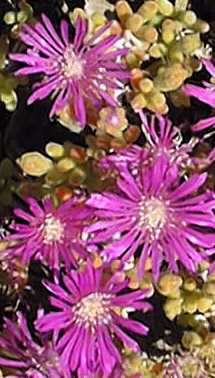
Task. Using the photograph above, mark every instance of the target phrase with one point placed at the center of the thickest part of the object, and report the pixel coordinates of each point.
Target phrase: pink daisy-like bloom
(26, 357)
(76, 72)
(206, 95)
(92, 314)
(186, 365)
(169, 220)
(163, 140)
(47, 233)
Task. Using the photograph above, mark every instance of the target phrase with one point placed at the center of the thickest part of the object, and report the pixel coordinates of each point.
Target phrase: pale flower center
(71, 65)
(93, 309)
(153, 215)
(53, 230)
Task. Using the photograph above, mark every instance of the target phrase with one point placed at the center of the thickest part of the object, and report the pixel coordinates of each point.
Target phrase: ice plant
(47, 233)
(162, 140)
(85, 70)
(205, 94)
(186, 365)
(168, 219)
(28, 358)
(91, 314)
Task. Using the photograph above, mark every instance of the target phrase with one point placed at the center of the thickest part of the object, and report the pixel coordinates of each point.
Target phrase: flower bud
(65, 165)
(146, 282)
(77, 176)
(133, 280)
(189, 284)
(132, 60)
(53, 177)
(201, 26)
(172, 308)
(22, 16)
(148, 10)
(171, 77)
(158, 50)
(156, 101)
(132, 134)
(134, 22)
(168, 36)
(54, 150)
(190, 304)
(189, 18)
(175, 54)
(123, 10)
(168, 24)
(191, 339)
(146, 85)
(166, 8)
(169, 283)
(63, 193)
(10, 18)
(147, 33)
(78, 12)
(191, 43)
(204, 304)
(98, 19)
(139, 102)
(209, 288)
(34, 164)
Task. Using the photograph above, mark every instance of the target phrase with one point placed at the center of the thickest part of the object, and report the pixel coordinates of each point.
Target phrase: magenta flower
(48, 234)
(77, 72)
(184, 365)
(92, 315)
(163, 141)
(205, 94)
(28, 358)
(168, 220)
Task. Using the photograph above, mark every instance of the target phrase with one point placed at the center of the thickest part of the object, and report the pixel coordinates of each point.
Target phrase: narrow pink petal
(204, 124)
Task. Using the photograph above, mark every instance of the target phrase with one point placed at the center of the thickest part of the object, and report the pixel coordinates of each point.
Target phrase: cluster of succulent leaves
(167, 45)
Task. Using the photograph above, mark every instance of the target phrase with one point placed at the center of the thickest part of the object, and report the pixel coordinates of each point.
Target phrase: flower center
(44, 361)
(71, 65)
(93, 309)
(153, 215)
(53, 230)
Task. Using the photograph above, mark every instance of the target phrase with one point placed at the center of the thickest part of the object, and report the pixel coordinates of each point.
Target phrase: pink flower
(163, 140)
(92, 314)
(48, 234)
(28, 358)
(84, 70)
(205, 94)
(169, 220)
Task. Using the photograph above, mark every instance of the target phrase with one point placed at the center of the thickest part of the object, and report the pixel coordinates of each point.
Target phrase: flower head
(48, 234)
(186, 365)
(91, 312)
(205, 94)
(154, 211)
(28, 358)
(163, 140)
(77, 72)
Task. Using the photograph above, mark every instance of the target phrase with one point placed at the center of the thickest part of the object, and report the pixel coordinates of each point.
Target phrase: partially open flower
(112, 121)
